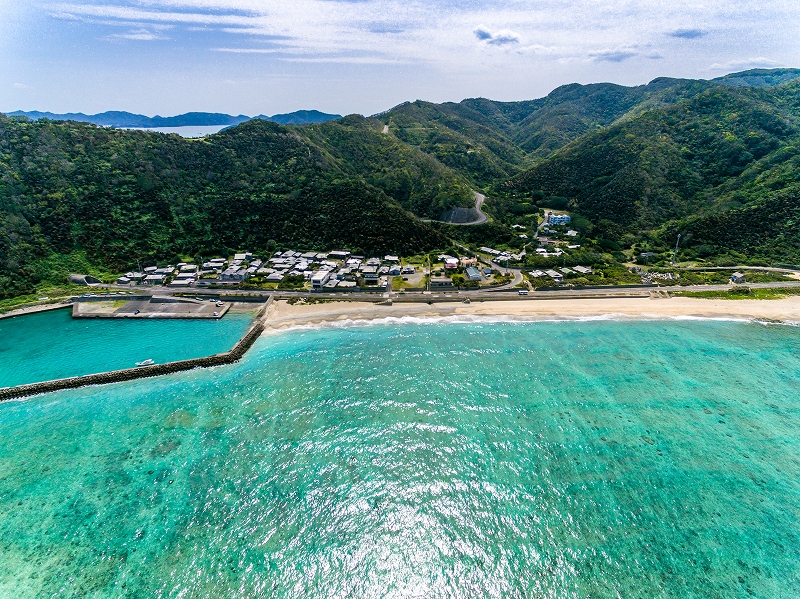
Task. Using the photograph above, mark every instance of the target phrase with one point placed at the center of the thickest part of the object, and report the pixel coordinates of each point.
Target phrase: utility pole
(675, 253)
(430, 274)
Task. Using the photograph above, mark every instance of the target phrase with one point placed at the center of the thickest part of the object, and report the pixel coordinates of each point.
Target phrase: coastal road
(793, 272)
(518, 278)
(564, 292)
(541, 224)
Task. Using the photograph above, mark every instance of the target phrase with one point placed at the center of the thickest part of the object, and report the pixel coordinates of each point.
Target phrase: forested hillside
(664, 163)
(72, 191)
(417, 181)
(723, 148)
(715, 161)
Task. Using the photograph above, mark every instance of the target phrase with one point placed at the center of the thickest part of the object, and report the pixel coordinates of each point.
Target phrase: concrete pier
(146, 306)
(129, 374)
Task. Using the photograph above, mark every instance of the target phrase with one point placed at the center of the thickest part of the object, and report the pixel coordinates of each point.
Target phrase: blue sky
(253, 56)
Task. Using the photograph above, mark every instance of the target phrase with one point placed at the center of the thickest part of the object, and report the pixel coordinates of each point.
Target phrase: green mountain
(664, 163)
(759, 77)
(458, 136)
(416, 180)
(714, 161)
(722, 149)
(70, 190)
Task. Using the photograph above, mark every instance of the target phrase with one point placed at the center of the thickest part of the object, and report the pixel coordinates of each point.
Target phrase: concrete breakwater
(36, 308)
(129, 374)
(146, 306)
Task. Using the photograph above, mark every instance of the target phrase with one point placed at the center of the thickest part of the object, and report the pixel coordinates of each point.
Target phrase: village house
(154, 279)
(441, 283)
(319, 279)
(555, 275)
(473, 274)
(181, 282)
(234, 274)
(134, 277)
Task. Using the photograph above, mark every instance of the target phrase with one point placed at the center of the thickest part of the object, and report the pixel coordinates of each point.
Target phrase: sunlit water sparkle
(53, 345)
(564, 460)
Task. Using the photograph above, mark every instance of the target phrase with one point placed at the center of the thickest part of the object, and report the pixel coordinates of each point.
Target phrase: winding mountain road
(482, 218)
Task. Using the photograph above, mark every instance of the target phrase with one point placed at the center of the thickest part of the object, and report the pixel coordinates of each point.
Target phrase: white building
(558, 219)
(318, 280)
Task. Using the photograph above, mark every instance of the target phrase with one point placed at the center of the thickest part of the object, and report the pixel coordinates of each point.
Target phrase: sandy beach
(283, 316)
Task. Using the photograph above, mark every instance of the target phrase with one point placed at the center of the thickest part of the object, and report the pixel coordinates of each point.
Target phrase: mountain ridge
(189, 119)
(717, 162)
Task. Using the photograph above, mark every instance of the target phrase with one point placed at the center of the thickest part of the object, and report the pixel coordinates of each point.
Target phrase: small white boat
(147, 362)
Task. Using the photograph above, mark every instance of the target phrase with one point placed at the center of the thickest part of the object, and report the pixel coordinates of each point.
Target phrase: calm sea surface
(554, 460)
(186, 131)
(53, 345)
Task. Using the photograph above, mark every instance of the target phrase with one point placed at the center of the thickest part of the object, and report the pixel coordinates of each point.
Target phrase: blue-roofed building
(473, 274)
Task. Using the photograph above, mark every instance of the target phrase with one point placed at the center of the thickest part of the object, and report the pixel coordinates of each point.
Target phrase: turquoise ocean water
(53, 345)
(555, 460)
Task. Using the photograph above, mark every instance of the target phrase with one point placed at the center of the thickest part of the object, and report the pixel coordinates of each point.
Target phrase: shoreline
(234, 354)
(35, 309)
(286, 317)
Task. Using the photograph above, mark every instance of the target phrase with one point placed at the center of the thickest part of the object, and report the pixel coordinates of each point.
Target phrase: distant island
(189, 119)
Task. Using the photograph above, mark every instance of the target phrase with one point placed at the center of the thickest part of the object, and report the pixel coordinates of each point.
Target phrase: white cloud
(612, 54)
(345, 60)
(19, 86)
(687, 33)
(502, 37)
(247, 50)
(442, 34)
(747, 63)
